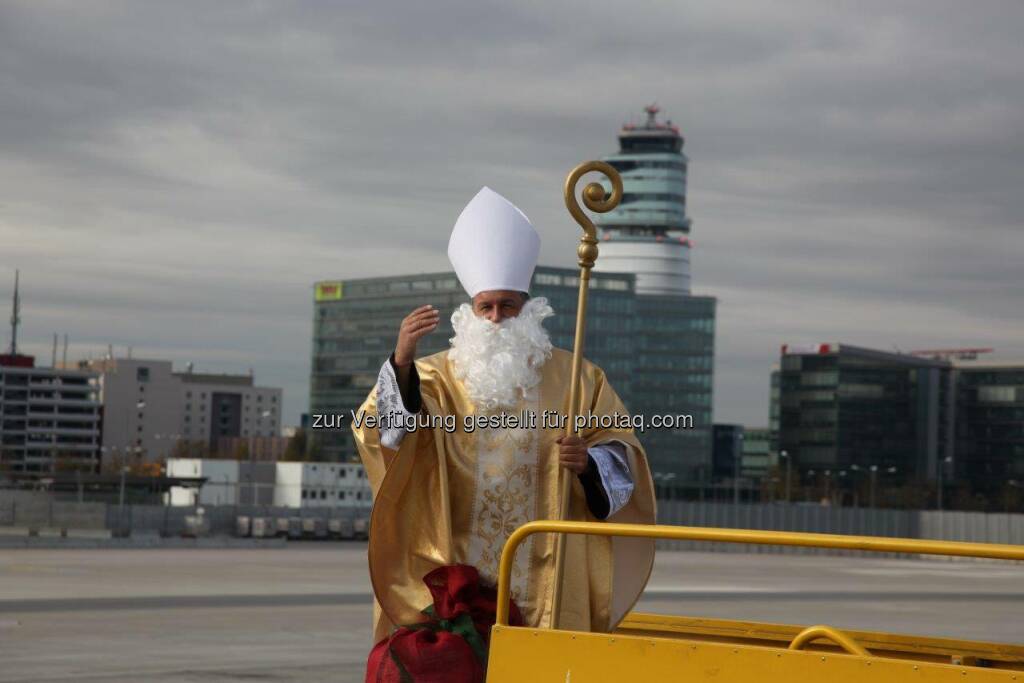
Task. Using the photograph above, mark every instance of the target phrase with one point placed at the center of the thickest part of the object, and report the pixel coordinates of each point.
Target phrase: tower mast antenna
(15, 319)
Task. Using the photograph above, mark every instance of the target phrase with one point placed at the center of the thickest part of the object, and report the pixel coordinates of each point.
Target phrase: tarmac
(302, 612)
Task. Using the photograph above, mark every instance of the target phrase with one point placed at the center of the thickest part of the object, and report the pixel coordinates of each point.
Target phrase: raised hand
(416, 325)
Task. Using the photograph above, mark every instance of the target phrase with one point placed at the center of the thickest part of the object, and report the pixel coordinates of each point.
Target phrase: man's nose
(495, 316)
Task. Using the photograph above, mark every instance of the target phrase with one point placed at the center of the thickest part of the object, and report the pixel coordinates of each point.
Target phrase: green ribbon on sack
(462, 625)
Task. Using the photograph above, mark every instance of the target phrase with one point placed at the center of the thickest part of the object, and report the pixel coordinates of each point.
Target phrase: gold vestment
(454, 497)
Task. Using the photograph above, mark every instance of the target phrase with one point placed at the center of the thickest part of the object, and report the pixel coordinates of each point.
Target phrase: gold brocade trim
(505, 498)
(506, 494)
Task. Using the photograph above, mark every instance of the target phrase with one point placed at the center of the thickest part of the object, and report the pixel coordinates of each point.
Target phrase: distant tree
(113, 461)
(909, 496)
(962, 498)
(187, 448)
(147, 469)
(295, 451)
(241, 451)
(68, 462)
(1011, 496)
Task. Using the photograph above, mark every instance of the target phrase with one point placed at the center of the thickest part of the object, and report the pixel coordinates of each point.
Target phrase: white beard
(498, 363)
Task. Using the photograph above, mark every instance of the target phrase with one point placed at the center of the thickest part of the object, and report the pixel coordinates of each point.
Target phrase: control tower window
(653, 144)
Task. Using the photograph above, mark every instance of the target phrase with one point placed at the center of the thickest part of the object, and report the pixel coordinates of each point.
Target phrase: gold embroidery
(506, 497)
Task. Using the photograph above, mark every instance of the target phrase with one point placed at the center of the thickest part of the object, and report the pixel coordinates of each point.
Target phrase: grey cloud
(174, 176)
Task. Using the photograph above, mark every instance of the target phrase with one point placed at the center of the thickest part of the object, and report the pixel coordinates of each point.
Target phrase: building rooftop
(863, 352)
(212, 378)
(651, 125)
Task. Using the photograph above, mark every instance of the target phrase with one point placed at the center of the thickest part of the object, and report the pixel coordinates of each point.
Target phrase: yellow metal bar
(838, 637)
(683, 533)
(526, 654)
(641, 624)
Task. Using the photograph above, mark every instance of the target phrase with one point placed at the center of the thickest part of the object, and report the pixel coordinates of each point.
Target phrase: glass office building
(758, 456)
(673, 374)
(990, 426)
(633, 338)
(843, 405)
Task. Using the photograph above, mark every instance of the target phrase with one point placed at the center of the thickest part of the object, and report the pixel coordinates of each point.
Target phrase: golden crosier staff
(595, 200)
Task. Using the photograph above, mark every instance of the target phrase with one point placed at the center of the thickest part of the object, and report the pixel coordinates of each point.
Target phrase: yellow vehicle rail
(662, 648)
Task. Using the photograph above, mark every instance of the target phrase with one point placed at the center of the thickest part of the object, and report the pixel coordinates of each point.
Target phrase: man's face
(498, 304)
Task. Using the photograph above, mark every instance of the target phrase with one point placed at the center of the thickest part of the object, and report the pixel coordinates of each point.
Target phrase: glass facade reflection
(990, 426)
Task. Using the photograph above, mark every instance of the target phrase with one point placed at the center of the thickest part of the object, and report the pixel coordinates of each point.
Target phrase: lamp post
(942, 479)
(1011, 484)
(789, 473)
(120, 500)
(874, 479)
(669, 476)
(874, 483)
(856, 487)
(737, 457)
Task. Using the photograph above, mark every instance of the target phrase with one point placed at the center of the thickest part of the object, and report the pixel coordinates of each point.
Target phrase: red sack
(451, 647)
(422, 655)
(456, 590)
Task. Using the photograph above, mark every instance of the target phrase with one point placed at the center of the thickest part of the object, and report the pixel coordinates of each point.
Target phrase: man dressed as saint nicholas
(452, 497)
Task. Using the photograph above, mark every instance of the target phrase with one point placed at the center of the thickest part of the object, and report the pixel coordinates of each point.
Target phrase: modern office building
(673, 373)
(149, 409)
(49, 418)
(757, 456)
(727, 452)
(989, 426)
(844, 407)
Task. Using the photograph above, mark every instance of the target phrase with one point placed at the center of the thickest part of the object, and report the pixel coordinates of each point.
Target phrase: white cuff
(393, 415)
(613, 468)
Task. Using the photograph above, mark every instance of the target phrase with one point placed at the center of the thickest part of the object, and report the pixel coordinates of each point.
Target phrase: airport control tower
(648, 233)
(673, 330)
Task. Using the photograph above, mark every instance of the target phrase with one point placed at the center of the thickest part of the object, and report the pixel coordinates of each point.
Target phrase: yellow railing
(685, 533)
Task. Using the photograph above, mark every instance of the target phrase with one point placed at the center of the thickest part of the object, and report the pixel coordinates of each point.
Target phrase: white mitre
(493, 245)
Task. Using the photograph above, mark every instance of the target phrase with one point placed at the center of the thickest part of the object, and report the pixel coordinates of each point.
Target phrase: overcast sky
(175, 176)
